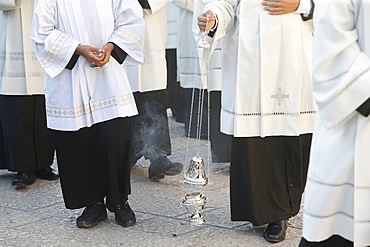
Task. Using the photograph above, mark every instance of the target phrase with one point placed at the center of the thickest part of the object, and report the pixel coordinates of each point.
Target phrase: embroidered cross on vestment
(280, 96)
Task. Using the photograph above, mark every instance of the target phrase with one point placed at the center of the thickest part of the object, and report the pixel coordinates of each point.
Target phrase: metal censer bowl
(194, 203)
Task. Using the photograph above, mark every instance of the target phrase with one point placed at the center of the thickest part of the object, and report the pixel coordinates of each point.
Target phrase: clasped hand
(273, 7)
(204, 24)
(96, 56)
(280, 7)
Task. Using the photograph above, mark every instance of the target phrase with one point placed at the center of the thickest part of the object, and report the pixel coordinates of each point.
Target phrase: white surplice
(337, 197)
(266, 88)
(20, 72)
(186, 52)
(189, 68)
(171, 14)
(151, 75)
(84, 96)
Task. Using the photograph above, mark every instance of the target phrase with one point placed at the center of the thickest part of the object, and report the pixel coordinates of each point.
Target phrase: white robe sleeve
(10, 4)
(156, 5)
(53, 48)
(185, 4)
(225, 12)
(304, 7)
(129, 30)
(341, 71)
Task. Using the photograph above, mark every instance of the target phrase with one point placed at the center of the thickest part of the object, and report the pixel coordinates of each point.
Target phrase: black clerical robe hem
(144, 4)
(150, 135)
(72, 62)
(364, 109)
(267, 177)
(212, 33)
(117, 53)
(26, 144)
(103, 164)
(334, 240)
(310, 15)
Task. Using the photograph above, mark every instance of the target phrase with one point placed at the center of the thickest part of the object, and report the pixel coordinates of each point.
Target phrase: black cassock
(220, 143)
(94, 162)
(174, 92)
(149, 129)
(25, 142)
(267, 177)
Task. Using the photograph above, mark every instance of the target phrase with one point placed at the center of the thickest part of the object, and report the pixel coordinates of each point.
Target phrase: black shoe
(124, 215)
(23, 179)
(46, 174)
(163, 166)
(275, 232)
(92, 215)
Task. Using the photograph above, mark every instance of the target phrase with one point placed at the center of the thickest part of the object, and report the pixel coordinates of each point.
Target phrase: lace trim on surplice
(17, 56)
(131, 36)
(87, 109)
(271, 113)
(58, 44)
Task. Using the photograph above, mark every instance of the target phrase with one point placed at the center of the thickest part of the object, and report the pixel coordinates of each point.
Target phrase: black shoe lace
(93, 209)
(124, 206)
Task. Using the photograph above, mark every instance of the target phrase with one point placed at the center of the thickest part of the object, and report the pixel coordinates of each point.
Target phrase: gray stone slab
(165, 226)
(36, 216)
(166, 205)
(221, 218)
(40, 194)
(216, 236)
(12, 218)
(5, 180)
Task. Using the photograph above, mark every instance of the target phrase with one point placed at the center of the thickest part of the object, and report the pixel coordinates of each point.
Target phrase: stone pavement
(36, 216)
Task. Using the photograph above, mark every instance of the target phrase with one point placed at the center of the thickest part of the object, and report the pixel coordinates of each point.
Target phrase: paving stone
(36, 215)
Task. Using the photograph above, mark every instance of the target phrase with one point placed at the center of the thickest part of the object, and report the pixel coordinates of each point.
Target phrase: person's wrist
(109, 47)
(79, 49)
(215, 25)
